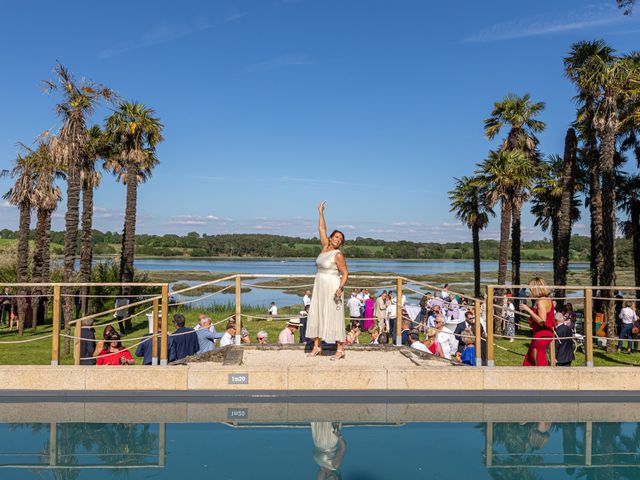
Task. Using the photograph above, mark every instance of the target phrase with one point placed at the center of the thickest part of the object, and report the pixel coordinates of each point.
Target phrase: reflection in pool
(319, 449)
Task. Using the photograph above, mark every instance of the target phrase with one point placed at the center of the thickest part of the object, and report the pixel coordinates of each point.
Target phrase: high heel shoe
(314, 352)
(339, 355)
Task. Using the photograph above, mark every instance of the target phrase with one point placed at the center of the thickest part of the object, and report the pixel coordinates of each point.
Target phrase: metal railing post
(490, 362)
(478, 328)
(399, 311)
(55, 340)
(588, 326)
(238, 315)
(164, 354)
(154, 332)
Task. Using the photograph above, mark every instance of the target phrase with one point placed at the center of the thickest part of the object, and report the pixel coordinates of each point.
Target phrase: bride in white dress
(326, 313)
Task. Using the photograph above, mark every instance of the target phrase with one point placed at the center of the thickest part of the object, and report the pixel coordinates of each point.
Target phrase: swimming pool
(318, 440)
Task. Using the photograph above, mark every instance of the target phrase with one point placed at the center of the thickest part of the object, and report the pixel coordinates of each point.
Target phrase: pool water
(320, 449)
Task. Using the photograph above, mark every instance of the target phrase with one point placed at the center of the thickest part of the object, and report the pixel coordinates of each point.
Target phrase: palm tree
(133, 132)
(629, 203)
(90, 180)
(547, 205)
(502, 175)
(575, 64)
(21, 195)
(616, 80)
(626, 5)
(78, 101)
(520, 114)
(468, 201)
(46, 197)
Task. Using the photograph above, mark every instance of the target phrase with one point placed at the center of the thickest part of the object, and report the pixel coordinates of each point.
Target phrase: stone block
(42, 377)
(333, 376)
(136, 378)
(425, 378)
(529, 378)
(217, 378)
(608, 378)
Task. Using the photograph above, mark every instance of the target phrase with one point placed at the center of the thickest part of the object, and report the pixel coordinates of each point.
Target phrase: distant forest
(259, 245)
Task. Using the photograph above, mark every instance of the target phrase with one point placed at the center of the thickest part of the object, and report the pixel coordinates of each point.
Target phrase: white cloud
(545, 24)
(347, 227)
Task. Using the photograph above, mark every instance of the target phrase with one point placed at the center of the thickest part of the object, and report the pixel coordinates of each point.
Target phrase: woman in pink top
(368, 314)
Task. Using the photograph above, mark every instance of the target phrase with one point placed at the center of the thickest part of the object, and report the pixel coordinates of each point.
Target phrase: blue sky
(271, 106)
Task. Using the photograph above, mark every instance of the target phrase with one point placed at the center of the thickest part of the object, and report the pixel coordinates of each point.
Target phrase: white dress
(326, 316)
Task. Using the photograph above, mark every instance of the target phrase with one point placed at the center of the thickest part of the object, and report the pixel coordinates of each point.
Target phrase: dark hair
(108, 331)
(338, 231)
(383, 338)
(114, 337)
(179, 320)
(414, 336)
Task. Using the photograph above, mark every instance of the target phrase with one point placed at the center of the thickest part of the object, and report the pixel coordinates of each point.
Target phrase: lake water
(374, 448)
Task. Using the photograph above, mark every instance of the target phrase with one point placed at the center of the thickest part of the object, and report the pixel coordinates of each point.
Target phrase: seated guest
(262, 337)
(185, 340)
(106, 334)
(229, 335)
(431, 320)
(87, 342)
(564, 348)
(446, 338)
(406, 329)
(374, 333)
(354, 334)
(286, 335)
(245, 337)
(432, 344)
(469, 323)
(414, 338)
(206, 338)
(114, 353)
(145, 349)
(468, 355)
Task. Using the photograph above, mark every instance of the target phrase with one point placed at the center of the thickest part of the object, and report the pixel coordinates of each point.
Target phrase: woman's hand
(525, 308)
(339, 292)
(321, 207)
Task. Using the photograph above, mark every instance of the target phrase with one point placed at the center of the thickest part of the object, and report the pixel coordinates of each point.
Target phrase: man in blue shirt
(145, 349)
(207, 336)
(185, 340)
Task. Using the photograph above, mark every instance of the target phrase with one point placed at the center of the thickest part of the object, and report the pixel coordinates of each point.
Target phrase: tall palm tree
(46, 197)
(502, 175)
(78, 101)
(547, 204)
(468, 202)
(21, 195)
(133, 132)
(580, 58)
(565, 215)
(520, 113)
(616, 80)
(629, 203)
(90, 180)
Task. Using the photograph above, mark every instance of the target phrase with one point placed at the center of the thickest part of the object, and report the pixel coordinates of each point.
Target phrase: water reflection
(369, 441)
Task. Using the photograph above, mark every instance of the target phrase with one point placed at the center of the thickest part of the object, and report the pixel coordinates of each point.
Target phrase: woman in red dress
(542, 321)
(114, 353)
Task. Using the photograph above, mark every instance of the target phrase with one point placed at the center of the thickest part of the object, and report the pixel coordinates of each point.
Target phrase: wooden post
(238, 315)
(53, 444)
(588, 326)
(588, 442)
(77, 335)
(164, 354)
(399, 311)
(154, 330)
(478, 328)
(552, 352)
(490, 362)
(55, 340)
(489, 443)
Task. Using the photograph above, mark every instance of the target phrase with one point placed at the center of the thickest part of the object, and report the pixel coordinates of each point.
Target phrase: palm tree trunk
(22, 270)
(609, 221)
(86, 248)
(635, 238)
(475, 235)
(70, 245)
(516, 239)
(505, 223)
(129, 232)
(595, 196)
(563, 240)
(43, 226)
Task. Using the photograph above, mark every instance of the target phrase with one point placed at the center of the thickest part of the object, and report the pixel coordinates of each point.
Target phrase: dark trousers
(625, 332)
(121, 325)
(6, 313)
(303, 330)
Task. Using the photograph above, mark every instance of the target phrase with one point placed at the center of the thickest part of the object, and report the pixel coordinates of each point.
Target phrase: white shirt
(306, 300)
(511, 311)
(354, 307)
(226, 339)
(627, 315)
(420, 346)
(448, 341)
(392, 311)
(273, 310)
(404, 300)
(366, 297)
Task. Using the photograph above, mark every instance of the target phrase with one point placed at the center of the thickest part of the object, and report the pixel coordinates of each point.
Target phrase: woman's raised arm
(322, 226)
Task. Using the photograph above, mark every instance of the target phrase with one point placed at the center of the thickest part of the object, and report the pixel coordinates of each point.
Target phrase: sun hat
(294, 322)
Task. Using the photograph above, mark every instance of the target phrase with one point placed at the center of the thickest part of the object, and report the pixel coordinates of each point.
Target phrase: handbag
(635, 330)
